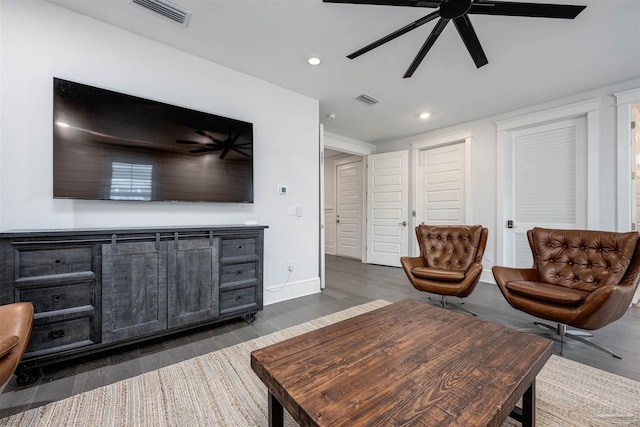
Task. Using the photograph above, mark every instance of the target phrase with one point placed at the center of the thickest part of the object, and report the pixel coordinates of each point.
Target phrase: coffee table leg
(529, 406)
(276, 414)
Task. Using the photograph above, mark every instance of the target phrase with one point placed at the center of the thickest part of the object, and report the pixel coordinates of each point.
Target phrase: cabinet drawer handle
(56, 334)
(239, 297)
(240, 247)
(239, 272)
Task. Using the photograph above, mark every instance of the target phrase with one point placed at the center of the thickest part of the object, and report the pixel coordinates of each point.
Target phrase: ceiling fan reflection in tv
(226, 145)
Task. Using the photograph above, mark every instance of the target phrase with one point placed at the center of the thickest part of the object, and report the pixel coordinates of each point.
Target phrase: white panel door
(387, 207)
(349, 181)
(549, 183)
(441, 186)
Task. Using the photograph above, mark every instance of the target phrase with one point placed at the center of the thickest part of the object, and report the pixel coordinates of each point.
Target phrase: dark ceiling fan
(458, 11)
(217, 145)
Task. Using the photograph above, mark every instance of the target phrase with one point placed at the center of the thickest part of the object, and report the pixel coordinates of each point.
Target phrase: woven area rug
(220, 389)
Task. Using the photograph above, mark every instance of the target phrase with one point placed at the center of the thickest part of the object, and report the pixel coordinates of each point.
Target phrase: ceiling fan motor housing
(452, 9)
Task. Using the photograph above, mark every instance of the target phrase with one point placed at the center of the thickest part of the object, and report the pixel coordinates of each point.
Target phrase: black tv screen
(112, 146)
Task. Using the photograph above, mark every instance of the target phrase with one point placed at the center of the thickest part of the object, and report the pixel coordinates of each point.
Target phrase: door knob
(403, 223)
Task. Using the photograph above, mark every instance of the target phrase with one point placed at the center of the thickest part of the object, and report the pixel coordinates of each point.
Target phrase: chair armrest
(603, 306)
(15, 319)
(409, 263)
(508, 274)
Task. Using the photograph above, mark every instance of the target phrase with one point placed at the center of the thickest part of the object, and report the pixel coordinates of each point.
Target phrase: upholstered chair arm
(507, 274)
(471, 279)
(409, 263)
(16, 319)
(603, 306)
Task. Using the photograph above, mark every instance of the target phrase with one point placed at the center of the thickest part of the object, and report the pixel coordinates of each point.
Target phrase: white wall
(484, 160)
(40, 40)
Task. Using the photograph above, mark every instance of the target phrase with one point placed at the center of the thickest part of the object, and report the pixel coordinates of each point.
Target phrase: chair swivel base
(444, 303)
(562, 331)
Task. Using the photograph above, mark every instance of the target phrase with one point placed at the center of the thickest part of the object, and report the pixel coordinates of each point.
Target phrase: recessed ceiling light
(314, 60)
(424, 116)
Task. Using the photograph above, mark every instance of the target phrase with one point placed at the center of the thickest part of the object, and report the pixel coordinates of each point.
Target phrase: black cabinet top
(165, 231)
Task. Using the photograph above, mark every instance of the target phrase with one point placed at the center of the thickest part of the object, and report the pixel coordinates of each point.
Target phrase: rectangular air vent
(367, 99)
(166, 9)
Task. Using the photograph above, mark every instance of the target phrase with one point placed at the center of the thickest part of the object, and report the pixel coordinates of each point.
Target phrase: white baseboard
(285, 291)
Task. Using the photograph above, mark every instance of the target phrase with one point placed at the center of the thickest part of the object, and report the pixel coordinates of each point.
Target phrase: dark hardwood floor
(348, 283)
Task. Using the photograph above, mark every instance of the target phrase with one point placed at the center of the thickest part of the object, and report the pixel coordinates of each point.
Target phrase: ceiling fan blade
(414, 3)
(241, 152)
(206, 135)
(435, 33)
(224, 153)
(535, 10)
(201, 150)
(182, 141)
(395, 34)
(207, 149)
(470, 39)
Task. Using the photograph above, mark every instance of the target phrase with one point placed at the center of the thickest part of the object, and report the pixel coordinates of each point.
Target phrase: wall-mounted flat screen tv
(112, 146)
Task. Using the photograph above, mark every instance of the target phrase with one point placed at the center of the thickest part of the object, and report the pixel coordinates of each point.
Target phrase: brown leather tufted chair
(16, 321)
(585, 279)
(450, 261)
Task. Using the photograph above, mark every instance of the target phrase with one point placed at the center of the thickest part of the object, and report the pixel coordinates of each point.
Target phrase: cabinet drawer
(238, 298)
(60, 297)
(50, 337)
(238, 247)
(238, 272)
(45, 262)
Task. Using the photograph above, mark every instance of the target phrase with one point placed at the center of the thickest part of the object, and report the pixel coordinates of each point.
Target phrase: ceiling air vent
(368, 99)
(166, 9)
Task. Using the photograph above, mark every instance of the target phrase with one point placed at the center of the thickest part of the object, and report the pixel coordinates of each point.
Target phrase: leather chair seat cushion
(442, 274)
(547, 292)
(7, 342)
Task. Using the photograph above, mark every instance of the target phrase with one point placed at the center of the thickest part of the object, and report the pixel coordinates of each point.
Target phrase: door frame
(436, 142)
(322, 231)
(505, 129)
(347, 146)
(625, 101)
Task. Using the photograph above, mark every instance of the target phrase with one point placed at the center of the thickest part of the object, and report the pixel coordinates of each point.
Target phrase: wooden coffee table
(408, 363)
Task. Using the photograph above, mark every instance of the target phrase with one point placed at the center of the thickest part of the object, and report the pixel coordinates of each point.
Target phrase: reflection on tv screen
(112, 146)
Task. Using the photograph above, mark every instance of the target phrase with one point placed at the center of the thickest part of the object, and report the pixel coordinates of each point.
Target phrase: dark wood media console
(98, 289)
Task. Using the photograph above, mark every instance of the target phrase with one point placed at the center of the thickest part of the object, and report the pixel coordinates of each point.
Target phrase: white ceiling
(531, 60)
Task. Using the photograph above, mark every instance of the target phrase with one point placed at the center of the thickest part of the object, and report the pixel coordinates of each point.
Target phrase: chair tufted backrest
(581, 259)
(453, 247)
